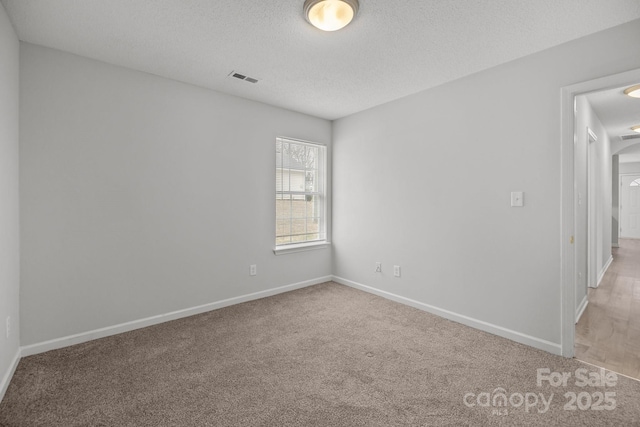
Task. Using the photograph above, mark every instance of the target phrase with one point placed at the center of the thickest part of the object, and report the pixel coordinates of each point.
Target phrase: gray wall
(630, 167)
(141, 195)
(424, 182)
(9, 201)
(615, 200)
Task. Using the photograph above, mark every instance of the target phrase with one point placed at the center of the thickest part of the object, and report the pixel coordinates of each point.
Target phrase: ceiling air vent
(628, 137)
(243, 77)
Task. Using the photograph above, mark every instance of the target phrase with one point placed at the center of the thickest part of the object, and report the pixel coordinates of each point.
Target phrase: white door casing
(593, 217)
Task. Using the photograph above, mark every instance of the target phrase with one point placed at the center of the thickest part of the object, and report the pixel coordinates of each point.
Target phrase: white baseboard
(4, 384)
(161, 318)
(604, 270)
(581, 308)
(539, 343)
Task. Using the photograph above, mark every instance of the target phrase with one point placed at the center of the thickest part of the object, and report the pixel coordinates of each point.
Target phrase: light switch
(517, 198)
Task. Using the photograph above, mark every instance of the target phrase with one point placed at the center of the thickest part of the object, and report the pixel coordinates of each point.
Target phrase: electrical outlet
(8, 326)
(396, 270)
(378, 267)
(253, 270)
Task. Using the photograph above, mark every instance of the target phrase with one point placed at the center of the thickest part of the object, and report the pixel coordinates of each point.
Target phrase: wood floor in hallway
(608, 333)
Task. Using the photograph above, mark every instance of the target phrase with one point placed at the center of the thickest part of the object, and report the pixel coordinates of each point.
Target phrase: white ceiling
(392, 49)
(618, 112)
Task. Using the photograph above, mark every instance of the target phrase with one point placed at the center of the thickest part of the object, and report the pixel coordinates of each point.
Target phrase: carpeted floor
(326, 355)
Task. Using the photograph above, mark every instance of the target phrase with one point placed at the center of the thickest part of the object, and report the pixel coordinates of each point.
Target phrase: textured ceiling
(393, 48)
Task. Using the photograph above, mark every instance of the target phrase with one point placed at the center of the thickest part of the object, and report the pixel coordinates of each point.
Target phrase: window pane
(299, 191)
(283, 229)
(298, 207)
(283, 205)
(296, 180)
(283, 240)
(311, 180)
(298, 239)
(312, 228)
(298, 226)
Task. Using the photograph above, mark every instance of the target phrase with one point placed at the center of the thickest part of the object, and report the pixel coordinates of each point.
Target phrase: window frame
(323, 169)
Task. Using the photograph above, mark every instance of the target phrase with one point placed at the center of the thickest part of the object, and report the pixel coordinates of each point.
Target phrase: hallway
(608, 333)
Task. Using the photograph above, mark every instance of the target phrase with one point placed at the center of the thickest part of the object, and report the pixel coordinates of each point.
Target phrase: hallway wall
(600, 152)
(629, 167)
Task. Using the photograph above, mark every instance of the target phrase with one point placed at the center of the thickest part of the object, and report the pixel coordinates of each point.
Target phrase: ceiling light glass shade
(633, 91)
(636, 128)
(330, 15)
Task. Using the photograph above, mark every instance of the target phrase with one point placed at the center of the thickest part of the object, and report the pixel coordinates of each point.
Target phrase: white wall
(615, 199)
(630, 167)
(141, 195)
(424, 182)
(9, 201)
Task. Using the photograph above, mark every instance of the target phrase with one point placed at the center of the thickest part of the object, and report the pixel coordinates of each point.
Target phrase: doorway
(572, 232)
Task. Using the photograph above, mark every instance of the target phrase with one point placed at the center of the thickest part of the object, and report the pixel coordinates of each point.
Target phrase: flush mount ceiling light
(636, 128)
(330, 15)
(633, 91)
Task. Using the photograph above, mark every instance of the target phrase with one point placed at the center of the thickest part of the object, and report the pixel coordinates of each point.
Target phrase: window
(300, 194)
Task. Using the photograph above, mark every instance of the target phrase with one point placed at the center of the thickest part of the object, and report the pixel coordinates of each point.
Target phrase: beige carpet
(326, 355)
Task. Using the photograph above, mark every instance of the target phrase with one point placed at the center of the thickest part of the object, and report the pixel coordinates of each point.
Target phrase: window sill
(300, 247)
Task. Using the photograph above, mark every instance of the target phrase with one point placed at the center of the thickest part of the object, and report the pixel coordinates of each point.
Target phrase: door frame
(568, 232)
